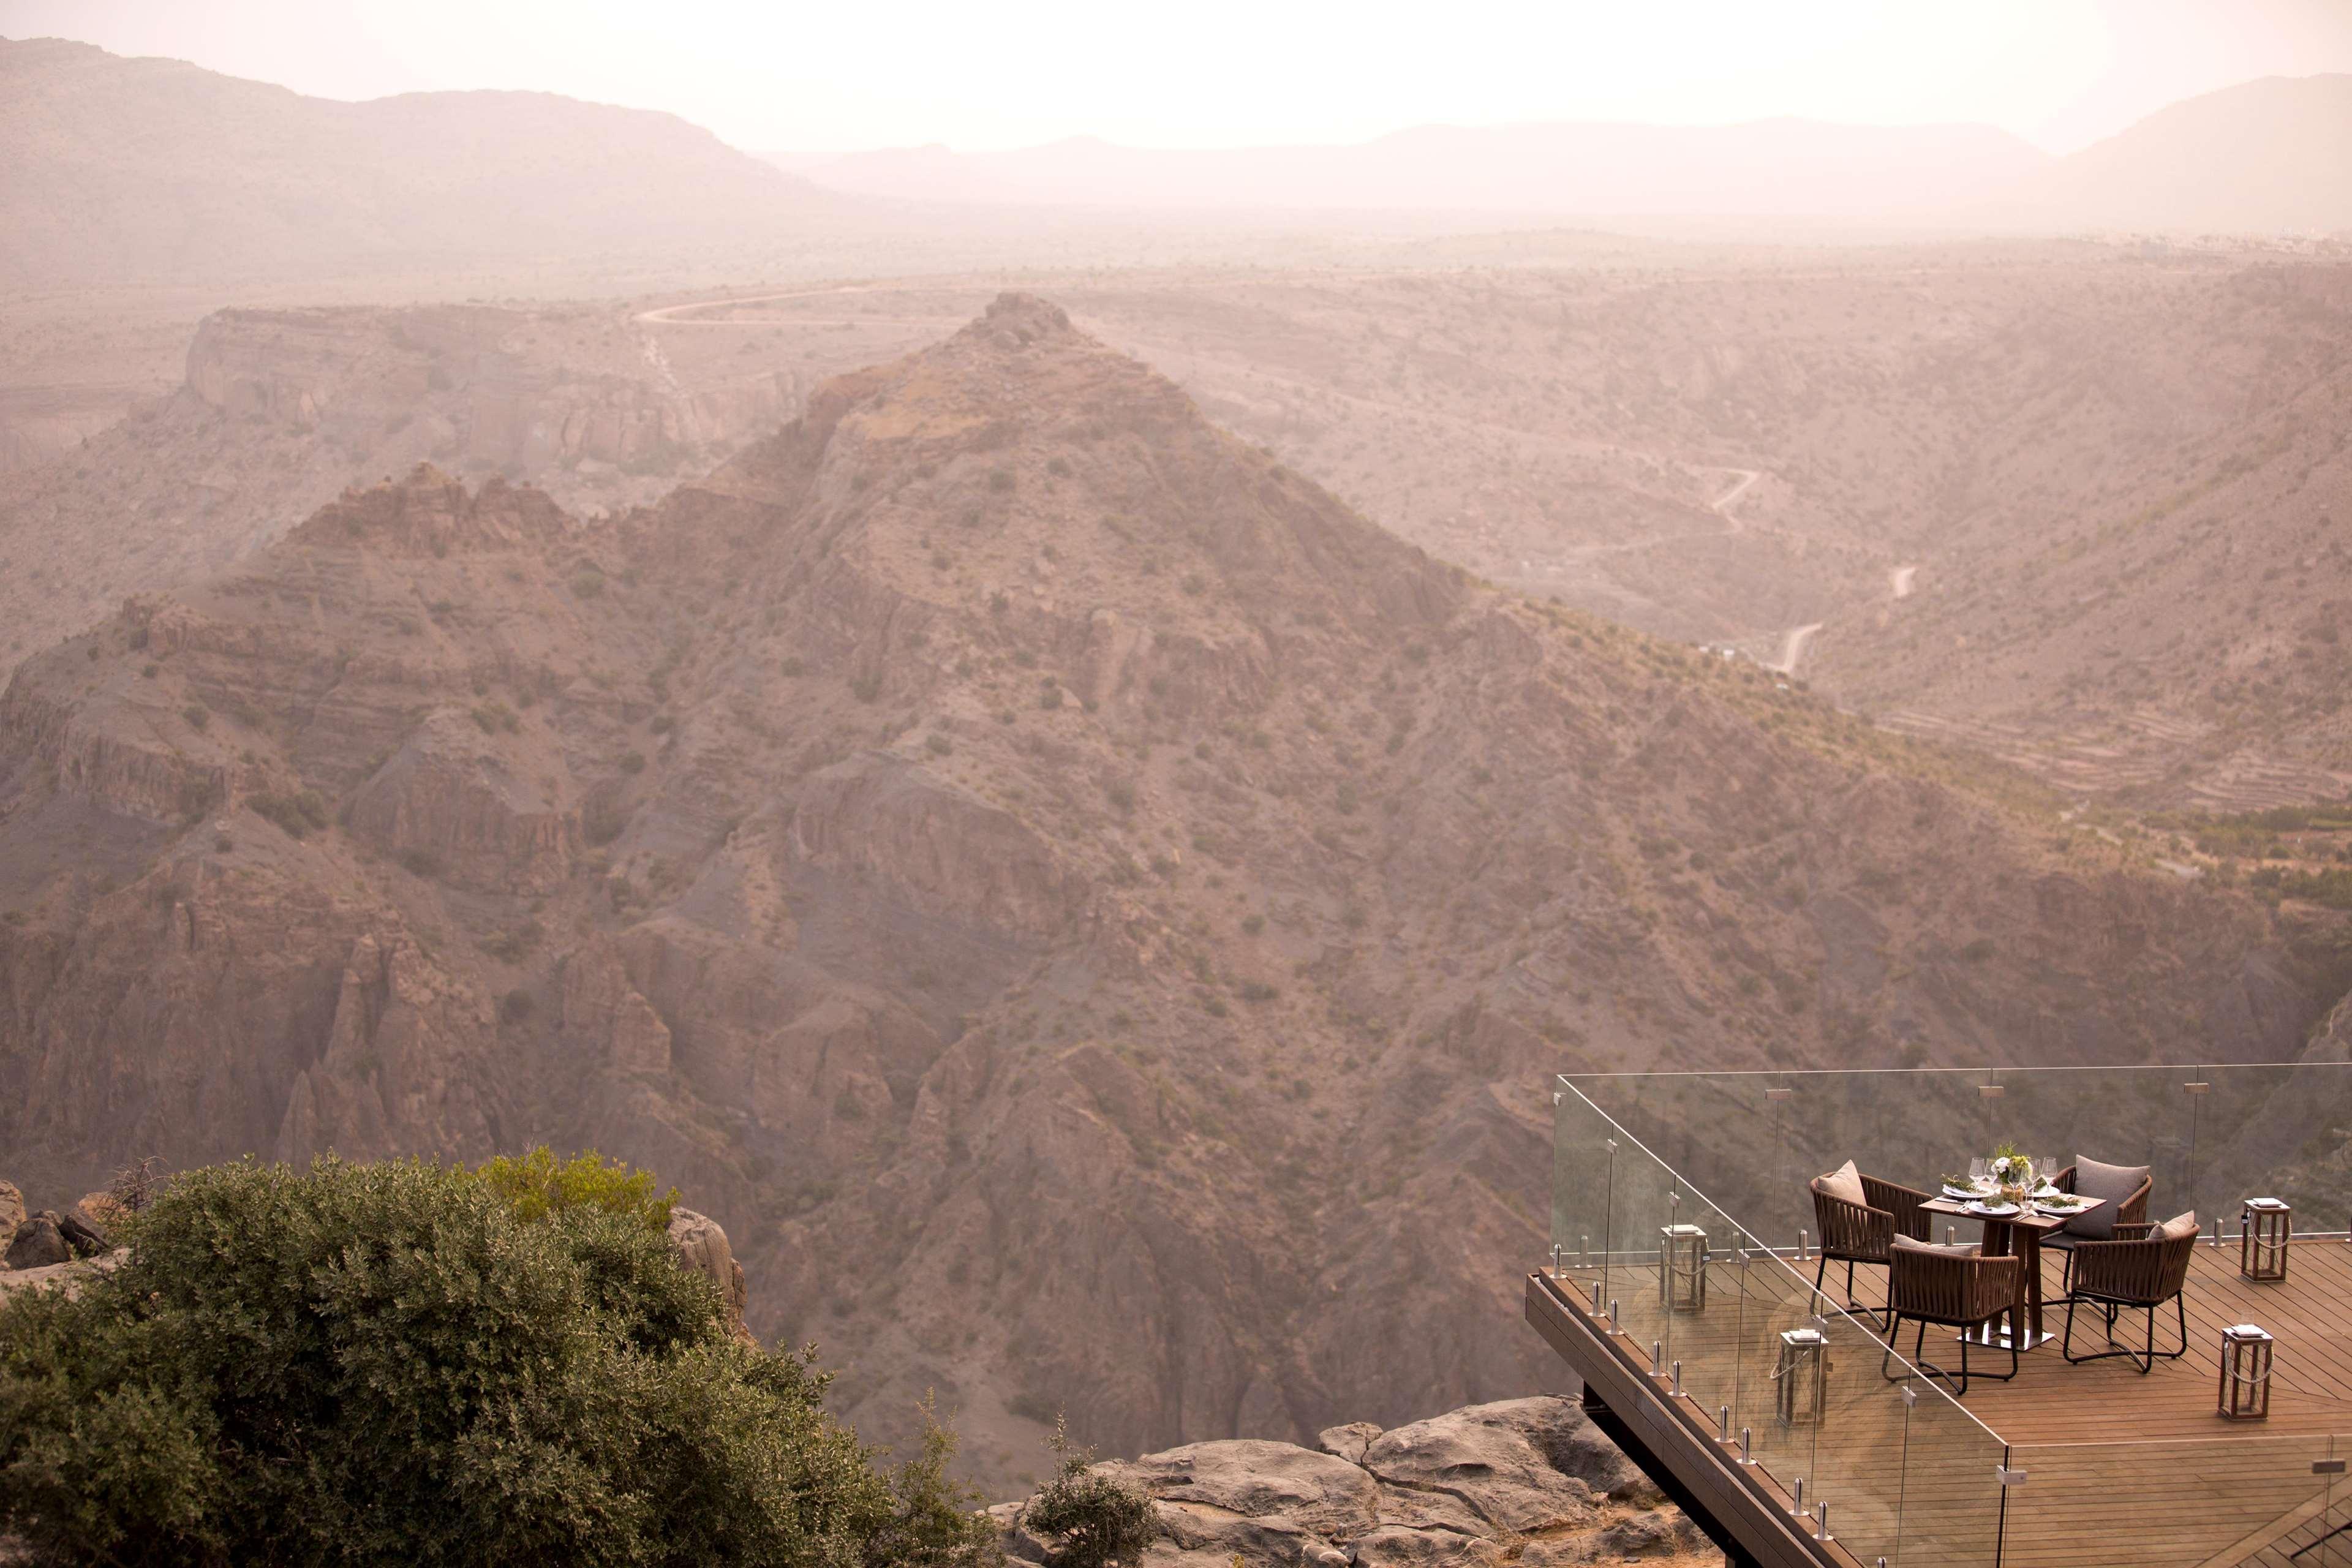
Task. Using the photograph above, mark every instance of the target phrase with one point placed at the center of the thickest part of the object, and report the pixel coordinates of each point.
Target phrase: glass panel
(2273, 1132)
(1948, 1487)
(1776, 1401)
(2252, 1497)
(1580, 1190)
(1644, 1203)
(1858, 1451)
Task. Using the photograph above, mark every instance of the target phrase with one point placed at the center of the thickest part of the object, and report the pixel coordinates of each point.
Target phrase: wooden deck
(2101, 1444)
(2053, 1401)
(2119, 1468)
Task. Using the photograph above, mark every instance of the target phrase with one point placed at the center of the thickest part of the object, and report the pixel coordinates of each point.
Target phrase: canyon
(1083, 907)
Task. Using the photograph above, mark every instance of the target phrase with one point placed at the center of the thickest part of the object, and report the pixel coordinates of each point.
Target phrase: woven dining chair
(1861, 1233)
(2124, 1188)
(2144, 1268)
(1954, 1288)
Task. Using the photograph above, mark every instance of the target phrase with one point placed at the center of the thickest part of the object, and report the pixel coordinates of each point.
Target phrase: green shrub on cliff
(539, 1184)
(387, 1364)
(1095, 1520)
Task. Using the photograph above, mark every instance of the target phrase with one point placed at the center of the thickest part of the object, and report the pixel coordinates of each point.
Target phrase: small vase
(2016, 1196)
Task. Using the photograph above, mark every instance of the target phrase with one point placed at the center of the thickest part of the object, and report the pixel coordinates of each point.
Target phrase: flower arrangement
(2013, 1171)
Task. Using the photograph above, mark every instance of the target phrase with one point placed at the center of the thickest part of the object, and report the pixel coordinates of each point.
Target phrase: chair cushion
(2177, 1227)
(1845, 1183)
(2111, 1183)
(1944, 1248)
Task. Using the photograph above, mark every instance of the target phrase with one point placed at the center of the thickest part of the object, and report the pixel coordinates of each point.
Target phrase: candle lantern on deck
(2265, 1226)
(2246, 1373)
(1800, 1380)
(1682, 1269)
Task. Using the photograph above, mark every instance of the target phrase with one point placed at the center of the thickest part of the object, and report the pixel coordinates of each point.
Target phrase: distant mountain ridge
(1768, 167)
(2263, 156)
(120, 169)
(131, 170)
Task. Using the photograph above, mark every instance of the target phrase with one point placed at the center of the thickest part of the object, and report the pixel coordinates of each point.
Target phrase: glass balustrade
(1680, 1203)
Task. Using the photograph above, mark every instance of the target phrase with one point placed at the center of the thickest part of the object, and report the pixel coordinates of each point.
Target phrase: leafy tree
(538, 1183)
(391, 1364)
(1097, 1520)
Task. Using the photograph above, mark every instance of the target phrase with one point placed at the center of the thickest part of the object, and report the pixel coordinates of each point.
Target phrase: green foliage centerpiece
(2012, 1173)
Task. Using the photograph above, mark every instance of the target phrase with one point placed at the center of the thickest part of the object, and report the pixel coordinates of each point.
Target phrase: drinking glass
(1980, 1172)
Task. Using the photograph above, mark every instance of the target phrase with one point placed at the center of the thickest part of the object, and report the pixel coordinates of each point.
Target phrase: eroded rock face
(1524, 1480)
(12, 1209)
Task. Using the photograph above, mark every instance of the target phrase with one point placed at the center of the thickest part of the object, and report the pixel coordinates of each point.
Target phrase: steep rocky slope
(2167, 622)
(279, 410)
(2081, 506)
(1090, 913)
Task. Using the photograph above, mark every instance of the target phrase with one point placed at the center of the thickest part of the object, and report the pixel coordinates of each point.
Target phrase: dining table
(2015, 1234)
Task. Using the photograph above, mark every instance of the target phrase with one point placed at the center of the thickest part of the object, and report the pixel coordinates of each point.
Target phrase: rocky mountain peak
(1026, 481)
(427, 512)
(1017, 319)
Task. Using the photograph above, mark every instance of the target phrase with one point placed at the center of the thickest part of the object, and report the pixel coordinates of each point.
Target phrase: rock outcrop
(1525, 1481)
(702, 1250)
(38, 1242)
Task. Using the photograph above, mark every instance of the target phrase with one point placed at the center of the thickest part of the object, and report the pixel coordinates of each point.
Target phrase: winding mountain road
(1722, 504)
(677, 316)
(1792, 648)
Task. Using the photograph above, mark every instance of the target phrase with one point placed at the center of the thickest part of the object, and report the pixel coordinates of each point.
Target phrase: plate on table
(2059, 1208)
(1983, 1210)
(1965, 1191)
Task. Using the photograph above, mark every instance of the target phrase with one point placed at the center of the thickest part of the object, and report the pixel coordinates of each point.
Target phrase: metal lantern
(1801, 1380)
(2265, 1226)
(2246, 1392)
(1682, 1269)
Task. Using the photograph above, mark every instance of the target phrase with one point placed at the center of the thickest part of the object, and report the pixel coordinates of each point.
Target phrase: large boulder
(83, 1234)
(38, 1243)
(1258, 1479)
(702, 1248)
(12, 1209)
(1348, 1442)
(1525, 1482)
(1512, 1466)
(67, 1276)
(1396, 1546)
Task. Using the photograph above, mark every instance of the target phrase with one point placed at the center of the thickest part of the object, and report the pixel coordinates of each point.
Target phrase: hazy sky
(1208, 73)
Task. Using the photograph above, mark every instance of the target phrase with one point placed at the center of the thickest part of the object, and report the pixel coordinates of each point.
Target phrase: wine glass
(1980, 1172)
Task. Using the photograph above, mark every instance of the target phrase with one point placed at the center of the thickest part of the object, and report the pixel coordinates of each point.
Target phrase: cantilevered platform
(1697, 1340)
(2112, 1467)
